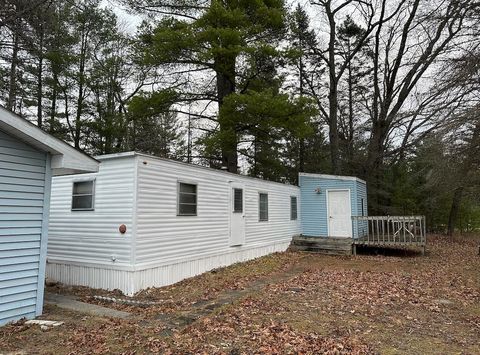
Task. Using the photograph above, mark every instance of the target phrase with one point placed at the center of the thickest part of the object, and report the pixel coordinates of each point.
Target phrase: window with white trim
(293, 208)
(187, 199)
(262, 207)
(83, 195)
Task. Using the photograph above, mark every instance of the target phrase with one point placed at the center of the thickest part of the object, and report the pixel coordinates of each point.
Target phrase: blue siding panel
(15, 313)
(361, 194)
(14, 290)
(20, 260)
(19, 267)
(314, 205)
(20, 296)
(23, 175)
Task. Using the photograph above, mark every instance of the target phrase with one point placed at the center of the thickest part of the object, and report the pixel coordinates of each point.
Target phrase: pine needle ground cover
(287, 303)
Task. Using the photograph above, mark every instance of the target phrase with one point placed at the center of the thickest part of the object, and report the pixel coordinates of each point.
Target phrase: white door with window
(339, 212)
(237, 215)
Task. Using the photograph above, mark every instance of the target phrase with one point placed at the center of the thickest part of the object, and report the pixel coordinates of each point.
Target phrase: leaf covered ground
(393, 302)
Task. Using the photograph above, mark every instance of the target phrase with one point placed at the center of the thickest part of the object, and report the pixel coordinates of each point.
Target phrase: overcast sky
(130, 22)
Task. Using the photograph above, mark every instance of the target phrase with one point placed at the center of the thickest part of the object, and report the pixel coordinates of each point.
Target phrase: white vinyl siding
(92, 236)
(163, 237)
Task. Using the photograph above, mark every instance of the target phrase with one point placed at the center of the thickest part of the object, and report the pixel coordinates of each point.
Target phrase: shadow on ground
(386, 251)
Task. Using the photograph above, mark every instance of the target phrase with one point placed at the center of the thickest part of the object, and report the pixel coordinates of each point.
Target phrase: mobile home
(143, 221)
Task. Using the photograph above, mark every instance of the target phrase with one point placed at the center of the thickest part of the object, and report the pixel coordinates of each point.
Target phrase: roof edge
(171, 161)
(333, 177)
(67, 158)
(116, 155)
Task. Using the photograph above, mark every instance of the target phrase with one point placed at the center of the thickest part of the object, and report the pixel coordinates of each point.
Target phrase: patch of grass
(180, 296)
(364, 304)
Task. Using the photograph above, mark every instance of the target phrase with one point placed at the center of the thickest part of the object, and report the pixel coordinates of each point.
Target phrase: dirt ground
(381, 302)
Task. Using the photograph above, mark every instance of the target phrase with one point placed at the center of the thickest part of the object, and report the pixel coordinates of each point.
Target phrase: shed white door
(237, 215)
(339, 214)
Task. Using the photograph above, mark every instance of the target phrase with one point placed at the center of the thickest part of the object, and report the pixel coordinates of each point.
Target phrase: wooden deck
(379, 231)
(394, 231)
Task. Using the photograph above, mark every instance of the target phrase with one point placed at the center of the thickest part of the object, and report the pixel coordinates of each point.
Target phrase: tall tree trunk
(350, 112)
(12, 86)
(456, 201)
(301, 152)
(375, 165)
(53, 106)
(80, 98)
(333, 95)
(225, 74)
(40, 80)
(333, 125)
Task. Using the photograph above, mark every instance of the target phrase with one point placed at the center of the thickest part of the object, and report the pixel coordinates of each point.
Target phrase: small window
(263, 207)
(293, 207)
(237, 200)
(83, 195)
(187, 199)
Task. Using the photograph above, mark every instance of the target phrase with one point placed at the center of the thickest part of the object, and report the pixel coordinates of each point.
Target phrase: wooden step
(323, 245)
(322, 250)
(322, 242)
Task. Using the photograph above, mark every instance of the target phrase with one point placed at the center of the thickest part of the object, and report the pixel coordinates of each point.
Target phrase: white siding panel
(22, 186)
(163, 237)
(91, 276)
(173, 272)
(93, 236)
(130, 282)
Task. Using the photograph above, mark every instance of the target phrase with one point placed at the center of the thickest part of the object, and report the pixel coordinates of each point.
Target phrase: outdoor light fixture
(122, 229)
(318, 190)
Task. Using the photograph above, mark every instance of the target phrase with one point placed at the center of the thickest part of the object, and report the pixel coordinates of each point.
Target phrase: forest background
(384, 90)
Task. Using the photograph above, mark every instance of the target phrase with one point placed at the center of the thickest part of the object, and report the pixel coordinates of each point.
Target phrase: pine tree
(153, 128)
(224, 39)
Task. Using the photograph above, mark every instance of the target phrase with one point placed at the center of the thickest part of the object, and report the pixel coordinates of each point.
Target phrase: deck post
(354, 247)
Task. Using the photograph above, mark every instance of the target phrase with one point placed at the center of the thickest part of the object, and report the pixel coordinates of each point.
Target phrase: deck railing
(390, 230)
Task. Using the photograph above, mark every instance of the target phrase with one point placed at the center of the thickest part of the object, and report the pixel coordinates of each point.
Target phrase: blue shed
(28, 159)
(328, 203)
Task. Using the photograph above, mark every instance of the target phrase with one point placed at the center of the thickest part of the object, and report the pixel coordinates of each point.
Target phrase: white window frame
(178, 199)
(259, 207)
(93, 181)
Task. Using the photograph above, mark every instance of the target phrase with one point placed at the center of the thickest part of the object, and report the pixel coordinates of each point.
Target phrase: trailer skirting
(132, 281)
